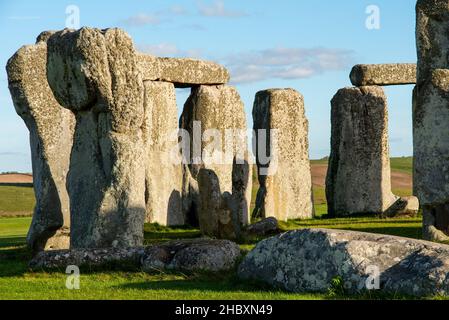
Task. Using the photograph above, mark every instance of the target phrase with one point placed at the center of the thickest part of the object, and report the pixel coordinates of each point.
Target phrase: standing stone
(358, 178)
(95, 74)
(218, 179)
(164, 170)
(431, 117)
(285, 180)
(51, 136)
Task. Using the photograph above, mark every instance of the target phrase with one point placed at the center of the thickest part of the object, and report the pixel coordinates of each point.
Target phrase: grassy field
(402, 164)
(17, 282)
(16, 201)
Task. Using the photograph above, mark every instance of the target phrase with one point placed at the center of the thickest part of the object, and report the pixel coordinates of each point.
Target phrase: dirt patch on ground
(16, 178)
(20, 214)
(399, 180)
(319, 174)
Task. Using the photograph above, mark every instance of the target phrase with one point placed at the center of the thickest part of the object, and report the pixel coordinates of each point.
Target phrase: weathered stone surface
(183, 255)
(285, 180)
(383, 74)
(183, 72)
(431, 116)
(193, 255)
(61, 259)
(263, 228)
(226, 185)
(164, 169)
(308, 260)
(60, 241)
(95, 74)
(219, 215)
(51, 136)
(358, 178)
(404, 206)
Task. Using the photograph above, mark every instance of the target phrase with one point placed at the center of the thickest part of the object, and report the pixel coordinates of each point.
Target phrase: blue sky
(306, 45)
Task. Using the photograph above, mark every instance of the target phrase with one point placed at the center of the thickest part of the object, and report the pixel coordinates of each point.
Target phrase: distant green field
(19, 201)
(16, 200)
(402, 164)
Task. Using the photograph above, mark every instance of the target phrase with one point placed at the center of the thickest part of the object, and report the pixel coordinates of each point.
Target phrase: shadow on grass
(227, 282)
(233, 284)
(6, 242)
(155, 233)
(14, 260)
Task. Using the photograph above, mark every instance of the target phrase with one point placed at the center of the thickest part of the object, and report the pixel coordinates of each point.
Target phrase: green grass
(403, 164)
(17, 282)
(16, 200)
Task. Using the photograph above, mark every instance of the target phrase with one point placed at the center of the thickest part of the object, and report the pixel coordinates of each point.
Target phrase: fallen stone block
(308, 260)
(182, 255)
(51, 130)
(404, 206)
(358, 178)
(193, 255)
(182, 72)
(383, 74)
(268, 226)
(61, 259)
(282, 154)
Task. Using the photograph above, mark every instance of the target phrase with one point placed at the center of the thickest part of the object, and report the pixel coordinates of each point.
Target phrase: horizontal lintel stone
(383, 74)
(183, 72)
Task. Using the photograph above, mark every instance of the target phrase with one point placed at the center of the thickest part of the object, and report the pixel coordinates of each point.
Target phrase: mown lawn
(17, 282)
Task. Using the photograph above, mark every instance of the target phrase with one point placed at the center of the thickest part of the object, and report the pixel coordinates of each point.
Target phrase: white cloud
(142, 19)
(218, 9)
(286, 63)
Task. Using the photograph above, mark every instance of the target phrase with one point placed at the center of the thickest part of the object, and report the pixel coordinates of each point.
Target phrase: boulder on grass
(268, 226)
(183, 255)
(194, 255)
(404, 206)
(60, 259)
(308, 260)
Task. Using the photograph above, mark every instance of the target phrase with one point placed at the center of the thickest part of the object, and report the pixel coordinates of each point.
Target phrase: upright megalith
(164, 168)
(431, 117)
(51, 136)
(95, 74)
(358, 178)
(217, 174)
(282, 154)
